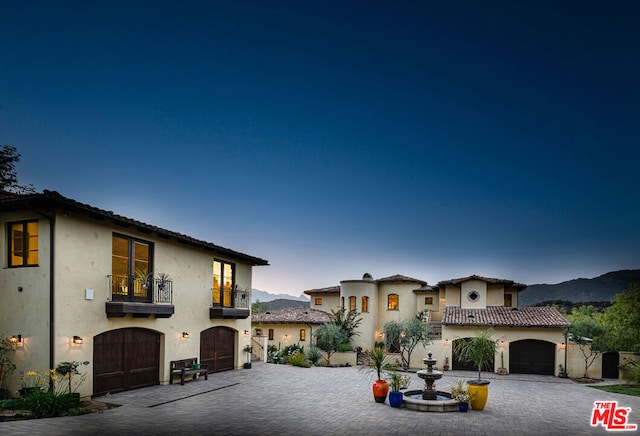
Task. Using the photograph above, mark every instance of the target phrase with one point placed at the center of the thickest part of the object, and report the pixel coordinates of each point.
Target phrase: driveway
(280, 399)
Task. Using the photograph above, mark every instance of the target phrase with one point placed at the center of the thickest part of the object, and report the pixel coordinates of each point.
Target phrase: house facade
(530, 339)
(85, 284)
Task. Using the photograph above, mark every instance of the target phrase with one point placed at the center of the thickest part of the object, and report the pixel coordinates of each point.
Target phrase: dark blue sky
(431, 139)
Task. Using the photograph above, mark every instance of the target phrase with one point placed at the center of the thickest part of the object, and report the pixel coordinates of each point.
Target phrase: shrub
(632, 368)
(49, 404)
(314, 355)
(299, 359)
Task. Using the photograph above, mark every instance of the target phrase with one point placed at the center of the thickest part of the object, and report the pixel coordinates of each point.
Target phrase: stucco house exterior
(531, 339)
(84, 284)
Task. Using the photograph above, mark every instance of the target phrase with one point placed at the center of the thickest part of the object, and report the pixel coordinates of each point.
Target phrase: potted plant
(502, 370)
(481, 350)
(375, 362)
(395, 383)
(446, 363)
(258, 331)
(461, 394)
(163, 279)
(248, 349)
(7, 367)
(144, 278)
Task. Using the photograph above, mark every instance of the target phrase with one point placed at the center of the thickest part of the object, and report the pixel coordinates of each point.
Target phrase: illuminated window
(303, 335)
(392, 302)
(271, 334)
(352, 303)
(23, 247)
(365, 304)
(318, 301)
(508, 300)
(223, 281)
(131, 268)
(428, 300)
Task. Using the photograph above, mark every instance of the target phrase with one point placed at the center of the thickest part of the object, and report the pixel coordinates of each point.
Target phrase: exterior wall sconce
(185, 335)
(77, 340)
(501, 344)
(563, 346)
(286, 337)
(446, 342)
(16, 341)
(246, 332)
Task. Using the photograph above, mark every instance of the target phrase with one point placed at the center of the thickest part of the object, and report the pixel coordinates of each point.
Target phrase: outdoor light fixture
(286, 337)
(246, 332)
(501, 343)
(16, 340)
(185, 335)
(446, 342)
(563, 345)
(77, 340)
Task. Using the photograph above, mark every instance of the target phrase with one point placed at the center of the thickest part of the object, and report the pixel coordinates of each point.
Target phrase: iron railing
(135, 289)
(241, 299)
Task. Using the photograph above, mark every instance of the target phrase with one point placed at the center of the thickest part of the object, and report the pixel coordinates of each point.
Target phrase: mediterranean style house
(531, 339)
(124, 297)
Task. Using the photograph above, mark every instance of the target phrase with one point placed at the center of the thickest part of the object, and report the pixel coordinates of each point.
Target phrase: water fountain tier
(429, 376)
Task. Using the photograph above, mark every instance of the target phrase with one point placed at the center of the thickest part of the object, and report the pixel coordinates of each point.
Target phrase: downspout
(52, 221)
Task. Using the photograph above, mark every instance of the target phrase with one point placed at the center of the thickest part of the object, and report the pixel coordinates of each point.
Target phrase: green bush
(299, 359)
(344, 348)
(49, 404)
(314, 355)
(632, 370)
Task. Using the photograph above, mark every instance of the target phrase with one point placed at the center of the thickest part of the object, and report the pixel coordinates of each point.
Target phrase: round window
(473, 296)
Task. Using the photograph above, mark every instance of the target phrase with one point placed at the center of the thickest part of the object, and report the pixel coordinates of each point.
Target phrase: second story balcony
(235, 304)
(139, 297)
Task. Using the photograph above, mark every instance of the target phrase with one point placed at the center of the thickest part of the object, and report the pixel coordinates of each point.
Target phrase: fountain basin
(413, 400)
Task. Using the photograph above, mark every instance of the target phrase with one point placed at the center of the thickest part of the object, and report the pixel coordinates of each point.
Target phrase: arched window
(352, 303)
(365, 304)
(392, 302)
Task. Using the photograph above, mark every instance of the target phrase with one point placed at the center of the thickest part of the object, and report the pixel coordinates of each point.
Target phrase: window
(352, 303)
(223, 281)
(342, 302)
(271, 334)
(392, 302)
(318, 301)
(508, 300)
(130, 268)
(473, 296)
(303, 335)
(428, 300)
(365, 304)
(23, 247)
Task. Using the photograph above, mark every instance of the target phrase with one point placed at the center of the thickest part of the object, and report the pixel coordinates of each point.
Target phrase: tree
(479, 349)
(9, 156)
(259, 307)
(588, 333)
(347, 321)
(622, 321)
(406, 336)
(328, 337)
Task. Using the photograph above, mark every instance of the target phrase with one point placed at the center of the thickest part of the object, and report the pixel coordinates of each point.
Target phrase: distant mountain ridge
(601, 288)
(263, 296)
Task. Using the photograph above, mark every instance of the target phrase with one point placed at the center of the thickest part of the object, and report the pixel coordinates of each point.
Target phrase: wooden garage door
(532, 356)
(217, 348)
(125, 359)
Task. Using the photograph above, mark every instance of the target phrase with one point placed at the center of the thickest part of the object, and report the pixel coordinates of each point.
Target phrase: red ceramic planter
(380, 390)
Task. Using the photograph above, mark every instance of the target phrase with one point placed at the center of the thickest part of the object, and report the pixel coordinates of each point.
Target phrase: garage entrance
(532, 356)
(125, 359)
(217, 348)
(458, 364)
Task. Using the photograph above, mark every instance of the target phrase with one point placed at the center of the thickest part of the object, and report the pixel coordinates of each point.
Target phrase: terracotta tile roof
(426, 288)
(504, 316)
(52, 200)
(504, 282)
(291, 315)
(399, 279)
(329, 290)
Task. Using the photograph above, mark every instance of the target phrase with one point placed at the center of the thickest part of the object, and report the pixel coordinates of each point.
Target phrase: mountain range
(263, 296)
(601, 288)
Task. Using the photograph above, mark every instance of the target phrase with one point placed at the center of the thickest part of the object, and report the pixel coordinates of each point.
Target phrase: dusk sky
(430, 139)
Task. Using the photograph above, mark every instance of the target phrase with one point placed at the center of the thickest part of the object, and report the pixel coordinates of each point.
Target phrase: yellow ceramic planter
(479, 393)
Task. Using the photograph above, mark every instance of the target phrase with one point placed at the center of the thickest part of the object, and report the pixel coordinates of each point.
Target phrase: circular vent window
(473, 296)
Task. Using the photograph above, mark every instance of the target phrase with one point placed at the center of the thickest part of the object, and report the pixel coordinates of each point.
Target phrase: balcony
(131, 295)
(240, 307)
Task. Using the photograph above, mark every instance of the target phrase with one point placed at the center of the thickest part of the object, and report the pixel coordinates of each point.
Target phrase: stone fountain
(429, 399)
(429, 376)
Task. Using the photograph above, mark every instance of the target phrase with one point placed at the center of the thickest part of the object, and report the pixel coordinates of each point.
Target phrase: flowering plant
(36, 379)
(460, 393)
(68, 370)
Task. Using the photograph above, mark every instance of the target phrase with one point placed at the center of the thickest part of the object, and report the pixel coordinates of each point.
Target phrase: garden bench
(186, 367)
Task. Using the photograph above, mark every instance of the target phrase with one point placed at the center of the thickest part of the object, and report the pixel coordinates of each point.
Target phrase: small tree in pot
(481, 350)
(375, 361)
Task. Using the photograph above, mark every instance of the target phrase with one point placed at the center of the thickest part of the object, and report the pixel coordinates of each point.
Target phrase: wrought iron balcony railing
(134, 289)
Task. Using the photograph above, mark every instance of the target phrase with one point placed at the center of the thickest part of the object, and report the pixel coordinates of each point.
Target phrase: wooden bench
(186, 367)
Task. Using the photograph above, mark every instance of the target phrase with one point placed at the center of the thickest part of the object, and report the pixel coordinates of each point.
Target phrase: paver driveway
(280, 399)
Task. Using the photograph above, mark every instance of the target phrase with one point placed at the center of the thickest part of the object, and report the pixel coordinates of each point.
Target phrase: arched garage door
(217, 348)
(458, 364)
(532, 356)
(125, 359)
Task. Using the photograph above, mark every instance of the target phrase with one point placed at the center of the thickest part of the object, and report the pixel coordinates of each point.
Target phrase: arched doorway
(532, 356)
(217, 348)
(610, 362)
(458, 364)
(125, 359)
